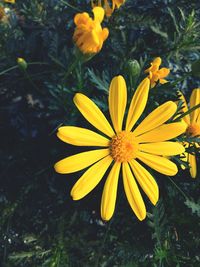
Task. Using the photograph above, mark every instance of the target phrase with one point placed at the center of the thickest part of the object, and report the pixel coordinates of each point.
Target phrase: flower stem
(17, 66)
(178, 188)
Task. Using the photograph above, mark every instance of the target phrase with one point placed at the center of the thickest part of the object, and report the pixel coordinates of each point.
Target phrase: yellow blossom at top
(107, 6)
(192, 121)
(122, 147)
(10, 1)
(2, 13)
(89, 35)
(155, 74)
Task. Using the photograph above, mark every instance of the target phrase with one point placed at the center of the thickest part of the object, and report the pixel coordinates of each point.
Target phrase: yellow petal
(93, 114)
(163, 81)
(110, 193)
(160, 164)
(146, 181)
(193, 165)
(118, 2)
(156, 118)
(94, 39)
(105, 33)
(184, 107)
(81, 18)
(157, 61)
(89, 180)
(117, 101)
(164, 72)
(138, 104)
(163, 148)
(132, 193)
(81, 137)
(163, 133)
(195, 100)
(98, 13)
(80, 161)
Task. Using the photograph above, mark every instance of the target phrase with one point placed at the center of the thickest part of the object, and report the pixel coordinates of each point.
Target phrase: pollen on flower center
(123, 147)
(193, 130)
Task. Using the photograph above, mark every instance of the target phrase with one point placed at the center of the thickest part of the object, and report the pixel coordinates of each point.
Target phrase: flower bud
(22, 63)
(133, 68)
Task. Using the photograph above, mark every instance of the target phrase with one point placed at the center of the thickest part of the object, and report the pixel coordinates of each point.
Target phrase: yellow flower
(10, 1)
(192, 121)
(156, 74)
(122, 148)
(2, 13)
(89, 35)
(107, 6)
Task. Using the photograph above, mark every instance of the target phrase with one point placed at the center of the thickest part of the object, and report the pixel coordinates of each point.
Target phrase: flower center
(193, 130)
(123, 147)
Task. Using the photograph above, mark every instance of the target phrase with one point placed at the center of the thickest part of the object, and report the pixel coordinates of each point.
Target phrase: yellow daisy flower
(122, 148)
(192, 121)
(107, 6)
(89, 35)
(156, 74)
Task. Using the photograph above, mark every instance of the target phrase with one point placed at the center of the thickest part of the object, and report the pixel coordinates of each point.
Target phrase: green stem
(9, 69)
(69, 5)
(31, 82)
(187, 112)
(71, 68)
(17, 66)
(178, 188)
(102, 245)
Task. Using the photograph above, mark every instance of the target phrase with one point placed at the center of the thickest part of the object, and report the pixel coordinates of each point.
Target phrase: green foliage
(195, 207)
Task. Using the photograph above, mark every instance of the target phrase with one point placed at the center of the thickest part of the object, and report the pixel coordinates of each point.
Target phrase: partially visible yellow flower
(10, 1)
(122, 147)
(2, 13)
(107, 6)
(156, 74)
(89, 35)
(193, 127)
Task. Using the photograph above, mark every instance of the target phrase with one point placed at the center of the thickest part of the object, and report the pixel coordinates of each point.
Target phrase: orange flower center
(123, 147)
(193, 130)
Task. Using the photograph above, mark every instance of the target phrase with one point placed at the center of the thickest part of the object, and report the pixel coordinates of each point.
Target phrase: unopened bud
(22, 63)
(133, 68)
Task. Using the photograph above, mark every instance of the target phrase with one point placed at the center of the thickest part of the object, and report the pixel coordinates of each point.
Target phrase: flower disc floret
(123, 147)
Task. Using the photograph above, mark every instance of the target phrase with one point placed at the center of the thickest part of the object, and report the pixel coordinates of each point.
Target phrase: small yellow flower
(89, 35)
(124, 148)
(107, 6)
(10, 1)
(2, 13)
(193, 127)
(156, 74)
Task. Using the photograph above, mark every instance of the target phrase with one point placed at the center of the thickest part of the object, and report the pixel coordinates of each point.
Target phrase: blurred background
(40, 225)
